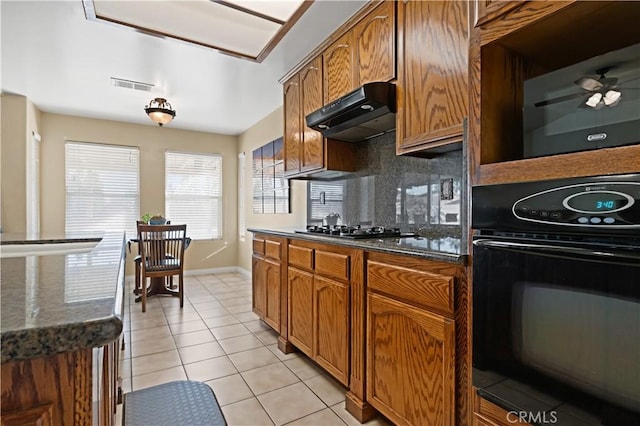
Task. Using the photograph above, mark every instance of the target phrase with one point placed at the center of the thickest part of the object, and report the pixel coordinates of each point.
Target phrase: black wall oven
(556, 299)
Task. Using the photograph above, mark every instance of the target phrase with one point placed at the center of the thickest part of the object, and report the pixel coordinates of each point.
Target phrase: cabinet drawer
(258, 245)
(333, 265)
(272, 249)
(423, 287)
(301, 256)
(487, 413)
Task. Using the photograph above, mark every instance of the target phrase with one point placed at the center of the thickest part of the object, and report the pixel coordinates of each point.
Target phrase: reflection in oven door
(556, 327)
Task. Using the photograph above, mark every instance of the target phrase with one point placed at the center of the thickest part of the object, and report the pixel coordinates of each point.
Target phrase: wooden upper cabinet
(312, 152)
(432, 75)
(374, 39)
(292, 125)
(337, 61)
(487, 10)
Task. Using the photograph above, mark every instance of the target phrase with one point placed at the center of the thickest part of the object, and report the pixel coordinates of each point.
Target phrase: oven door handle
(551, 249)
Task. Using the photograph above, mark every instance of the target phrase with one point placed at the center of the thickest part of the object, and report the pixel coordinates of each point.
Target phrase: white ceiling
(63, 63)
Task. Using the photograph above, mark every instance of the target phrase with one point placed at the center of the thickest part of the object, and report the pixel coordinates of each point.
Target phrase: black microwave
(589, 105)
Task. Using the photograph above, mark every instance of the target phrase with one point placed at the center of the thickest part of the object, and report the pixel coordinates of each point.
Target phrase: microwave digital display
(589, 105)
(594, 202)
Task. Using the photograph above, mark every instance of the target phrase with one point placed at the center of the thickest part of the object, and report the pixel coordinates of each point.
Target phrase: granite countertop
(434, 247)
(61, 302)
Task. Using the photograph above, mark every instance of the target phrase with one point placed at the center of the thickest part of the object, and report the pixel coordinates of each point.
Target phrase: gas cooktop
(355, 232)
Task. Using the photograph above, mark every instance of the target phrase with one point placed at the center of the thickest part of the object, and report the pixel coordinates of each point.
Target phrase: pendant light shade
(160, 111)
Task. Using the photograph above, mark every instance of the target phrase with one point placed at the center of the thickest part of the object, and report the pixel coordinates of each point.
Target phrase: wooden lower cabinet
(331, 326)
(267, 279)
(301, 310)
(258, 281)
(416, 363)
(384, 325)
(273, 282)
(410, 363)
(319, 320)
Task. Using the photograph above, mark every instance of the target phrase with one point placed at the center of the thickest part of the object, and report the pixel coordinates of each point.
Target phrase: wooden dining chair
(138, 259)
(162, 255)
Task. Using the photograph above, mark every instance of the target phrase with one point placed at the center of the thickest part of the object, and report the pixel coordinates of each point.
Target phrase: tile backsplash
(415, 194)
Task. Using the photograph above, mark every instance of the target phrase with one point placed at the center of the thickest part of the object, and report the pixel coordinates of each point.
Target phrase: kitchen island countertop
(436, 247)
(55, 303)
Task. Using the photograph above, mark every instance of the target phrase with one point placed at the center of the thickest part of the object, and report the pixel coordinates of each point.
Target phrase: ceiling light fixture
(160, 111)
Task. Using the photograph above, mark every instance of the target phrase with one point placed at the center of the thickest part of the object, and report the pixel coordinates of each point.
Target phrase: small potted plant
(156, 219)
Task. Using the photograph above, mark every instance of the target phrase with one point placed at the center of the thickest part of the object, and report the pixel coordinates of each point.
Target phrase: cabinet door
(337, 61)
(374, 39)
(259, 286)
(311, 91)
(300, 309)
(292, 125)
(432, 74)
(410, 363)
(331, 326)
(272, 292)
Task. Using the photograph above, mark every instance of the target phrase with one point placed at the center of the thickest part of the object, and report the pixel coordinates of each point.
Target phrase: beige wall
(152, 141)
(20, 119)
(266, 130)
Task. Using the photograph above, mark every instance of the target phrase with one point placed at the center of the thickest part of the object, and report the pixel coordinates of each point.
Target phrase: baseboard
(221, 270)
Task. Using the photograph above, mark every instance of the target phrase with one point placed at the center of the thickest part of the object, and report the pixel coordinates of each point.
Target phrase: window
(324, 198)
(242, 225)
(193, 193)
(270, 187)
(102, 187)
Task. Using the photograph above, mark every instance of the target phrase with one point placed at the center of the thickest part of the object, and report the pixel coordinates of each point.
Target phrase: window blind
(102, 187)
(193, 193)
(324, 198)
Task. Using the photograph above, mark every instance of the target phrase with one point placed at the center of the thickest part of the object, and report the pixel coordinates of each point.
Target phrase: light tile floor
(217, 339)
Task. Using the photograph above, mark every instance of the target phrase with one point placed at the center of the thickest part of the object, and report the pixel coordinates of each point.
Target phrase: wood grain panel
(331, 323)
(358, 319)
(462, 308)
(272, 281)
(300, 322)
(330, 264)
(488, 10)
(62, 382)
(494, 415)
(432, 73)
(301, 256)
(375, 45)
(421, 287)
(258, 245)
(292, 125)
(273, 249)
(479, 420)
(313, 142)
(411, 363)
(337, 62)
(259, 286)
(606, 161)
(36, 416)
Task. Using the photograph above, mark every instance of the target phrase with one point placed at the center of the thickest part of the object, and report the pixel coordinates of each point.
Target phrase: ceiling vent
(130, 84)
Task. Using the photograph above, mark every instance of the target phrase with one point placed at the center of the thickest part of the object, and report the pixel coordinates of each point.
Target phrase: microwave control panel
(590, 205)
(611, 204)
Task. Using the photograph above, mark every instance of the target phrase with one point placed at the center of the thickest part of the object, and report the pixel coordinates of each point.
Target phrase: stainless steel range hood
(366, 112)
